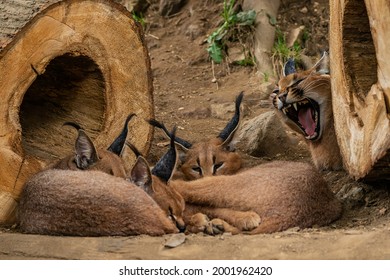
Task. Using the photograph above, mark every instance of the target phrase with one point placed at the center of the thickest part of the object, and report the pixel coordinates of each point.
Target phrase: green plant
(266, 77)
(139, 17)
(281, 52)
(231, 22)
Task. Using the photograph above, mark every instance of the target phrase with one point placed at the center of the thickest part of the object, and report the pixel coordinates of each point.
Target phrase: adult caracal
(214, 156)
(85, 199)
(303, 101)
(268, 198)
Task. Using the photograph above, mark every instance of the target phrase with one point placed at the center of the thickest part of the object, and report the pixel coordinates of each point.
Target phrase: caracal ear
(289, 67)
(167, 164)
(322, 65)
(86, 153)
(181, 143)
(227, 134)
(117, 146)
(141, 176)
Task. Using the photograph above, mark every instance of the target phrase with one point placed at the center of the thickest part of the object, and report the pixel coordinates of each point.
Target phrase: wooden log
(359, 42)
(76, 60)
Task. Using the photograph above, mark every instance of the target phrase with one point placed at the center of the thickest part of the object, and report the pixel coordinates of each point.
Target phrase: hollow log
(359, 42)
(76, 60)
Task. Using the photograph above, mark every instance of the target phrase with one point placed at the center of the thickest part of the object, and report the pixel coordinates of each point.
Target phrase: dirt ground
(185, 88)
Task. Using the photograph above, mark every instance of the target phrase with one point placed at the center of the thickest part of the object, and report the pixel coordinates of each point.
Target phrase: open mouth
(306, 115)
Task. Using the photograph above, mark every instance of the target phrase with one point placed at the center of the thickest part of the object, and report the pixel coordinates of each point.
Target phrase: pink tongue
(306, 120)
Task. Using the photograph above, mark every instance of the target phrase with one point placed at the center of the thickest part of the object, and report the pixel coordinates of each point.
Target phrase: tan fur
(108, 163)
(98, 199)
(282, 194)
(316, 86)
(89, 203)
(208, 158)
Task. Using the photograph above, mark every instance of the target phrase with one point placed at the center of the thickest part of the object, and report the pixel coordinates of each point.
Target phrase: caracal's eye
(170, 214)
(197, 169)
(217, 166)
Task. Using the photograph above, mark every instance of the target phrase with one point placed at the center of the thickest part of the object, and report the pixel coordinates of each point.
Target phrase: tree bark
(75, 60)
(359, 56)
(265, 33)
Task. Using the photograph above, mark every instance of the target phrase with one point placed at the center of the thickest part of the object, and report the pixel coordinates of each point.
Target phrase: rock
(304, 10)
(222, 110)
(294, 35)
(196, 113)
(170, 7)
(175, 240)
(236, 53)
(266, 136)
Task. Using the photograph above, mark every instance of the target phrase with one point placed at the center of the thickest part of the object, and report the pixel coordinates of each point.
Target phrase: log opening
(71, 60)
(72, 88)
(359, 50)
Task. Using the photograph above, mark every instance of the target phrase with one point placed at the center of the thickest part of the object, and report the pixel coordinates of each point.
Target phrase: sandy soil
(184, 93)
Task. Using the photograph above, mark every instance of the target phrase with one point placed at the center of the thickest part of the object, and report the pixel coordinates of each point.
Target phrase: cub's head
(88, 157)
(209, 157)
(156, 183)
(304, 98)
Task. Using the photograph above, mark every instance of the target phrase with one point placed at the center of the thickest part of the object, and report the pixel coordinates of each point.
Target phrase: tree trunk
(360, 71)
(76, 60)
(265, 33)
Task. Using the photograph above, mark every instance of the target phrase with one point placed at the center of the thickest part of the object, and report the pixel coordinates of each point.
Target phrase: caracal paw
(247, 221)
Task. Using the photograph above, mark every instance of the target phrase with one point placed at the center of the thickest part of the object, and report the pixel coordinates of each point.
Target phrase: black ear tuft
(181, 142)
(117, 146)
(86, 153)
(289, 67)
(134, 149)
(228, 132)
(166, 165)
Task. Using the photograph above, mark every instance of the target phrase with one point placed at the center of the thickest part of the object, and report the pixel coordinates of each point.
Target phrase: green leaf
(246, 17)
(272, 20)
(215, 52)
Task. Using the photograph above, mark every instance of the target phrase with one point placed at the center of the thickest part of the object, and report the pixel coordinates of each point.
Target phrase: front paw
(247, 221)
(201, 223)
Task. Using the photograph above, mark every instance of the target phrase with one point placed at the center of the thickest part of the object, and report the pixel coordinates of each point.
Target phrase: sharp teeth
(279, 103)
(284, 110)
(295, 106)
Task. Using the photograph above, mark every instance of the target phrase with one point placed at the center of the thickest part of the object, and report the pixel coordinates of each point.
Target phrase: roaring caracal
(303, 101)
(90, 194)
(214, 156)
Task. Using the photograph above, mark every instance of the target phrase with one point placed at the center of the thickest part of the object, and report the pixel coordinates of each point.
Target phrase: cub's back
(88, 203)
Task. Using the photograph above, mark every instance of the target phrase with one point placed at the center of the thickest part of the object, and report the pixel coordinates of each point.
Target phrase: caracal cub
(215, 156)
(265, 199)
(91, 194)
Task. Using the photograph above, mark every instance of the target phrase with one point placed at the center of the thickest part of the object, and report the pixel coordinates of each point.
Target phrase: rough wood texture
(360, 71)
(75, 60)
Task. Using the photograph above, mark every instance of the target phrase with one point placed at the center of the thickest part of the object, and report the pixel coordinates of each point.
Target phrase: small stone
(175, 240)
(304, 10)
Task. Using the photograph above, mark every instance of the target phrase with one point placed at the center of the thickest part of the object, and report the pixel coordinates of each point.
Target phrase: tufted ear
(86, 153)
(141, 176)
(322, 65)
(289, 67)
(117, 146)
(183, 144)
(167, 164)
(227, 134)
